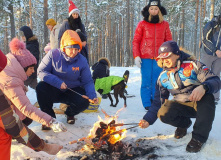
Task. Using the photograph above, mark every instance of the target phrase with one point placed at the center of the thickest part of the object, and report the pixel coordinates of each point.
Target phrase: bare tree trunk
(119, 41)
(177, 28)
(212, 9)
(12, 20)
(183, 28)
(55, 11)
(131, 39)
(114, 44)
(196, 27)
(123, 43)
(108, 26)
(127, 49)
(45, 19)
(6, 50)
(30, 14)
(204, 8)
(85, 12)
(200, 38)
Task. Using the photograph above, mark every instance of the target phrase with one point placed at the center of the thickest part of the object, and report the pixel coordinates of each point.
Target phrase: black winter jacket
(100, 69)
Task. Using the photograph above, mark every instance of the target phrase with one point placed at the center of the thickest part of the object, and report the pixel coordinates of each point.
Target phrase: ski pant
(12, 127)
(214, 64)
(150, 72)
(178, 114)
(47, 95)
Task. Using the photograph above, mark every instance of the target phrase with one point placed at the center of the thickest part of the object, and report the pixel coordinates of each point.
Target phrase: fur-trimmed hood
(104, 59)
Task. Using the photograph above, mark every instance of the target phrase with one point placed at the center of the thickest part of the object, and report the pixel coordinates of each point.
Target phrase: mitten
(138, 62)
(57, 126)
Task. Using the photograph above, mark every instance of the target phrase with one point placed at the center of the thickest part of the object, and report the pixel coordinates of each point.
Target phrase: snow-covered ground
(160, 134)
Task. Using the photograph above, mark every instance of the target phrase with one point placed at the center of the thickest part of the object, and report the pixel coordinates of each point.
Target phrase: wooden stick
(79, 140)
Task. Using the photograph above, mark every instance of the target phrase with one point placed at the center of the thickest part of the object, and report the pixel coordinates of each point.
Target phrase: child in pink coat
(20, 65)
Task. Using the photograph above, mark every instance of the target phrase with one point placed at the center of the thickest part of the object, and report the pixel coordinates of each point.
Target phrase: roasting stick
(83, 96)
(123, 124)
(122, 130)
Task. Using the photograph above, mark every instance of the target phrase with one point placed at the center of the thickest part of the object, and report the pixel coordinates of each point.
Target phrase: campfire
(104, 132)
(105, 141)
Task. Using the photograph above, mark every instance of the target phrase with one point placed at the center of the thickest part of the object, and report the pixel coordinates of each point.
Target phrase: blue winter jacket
(180, 82)
(56, 68)
(210, 36)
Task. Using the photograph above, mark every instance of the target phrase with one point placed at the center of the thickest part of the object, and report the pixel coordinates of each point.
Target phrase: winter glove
(57, 126)
(138, 62)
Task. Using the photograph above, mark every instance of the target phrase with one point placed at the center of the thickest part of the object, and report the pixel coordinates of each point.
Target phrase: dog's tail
(126, 76)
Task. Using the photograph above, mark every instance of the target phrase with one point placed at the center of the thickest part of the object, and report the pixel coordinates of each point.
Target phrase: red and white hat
(73, 8)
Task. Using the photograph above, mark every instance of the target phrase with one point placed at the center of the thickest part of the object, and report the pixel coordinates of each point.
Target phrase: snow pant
(12, 127)
(150, 72)
(213, 63)
(47, 95)
(178, 114)
(5, 144)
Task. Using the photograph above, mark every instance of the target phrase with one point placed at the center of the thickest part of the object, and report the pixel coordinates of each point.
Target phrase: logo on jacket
(164, 80)
(75, 68)
(188, 70)
(154, 3)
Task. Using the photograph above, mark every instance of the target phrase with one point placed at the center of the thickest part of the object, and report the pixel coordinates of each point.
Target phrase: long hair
(160, 17)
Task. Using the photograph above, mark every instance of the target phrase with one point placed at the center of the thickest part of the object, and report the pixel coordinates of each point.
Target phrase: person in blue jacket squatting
(60, 70)
(192, 84)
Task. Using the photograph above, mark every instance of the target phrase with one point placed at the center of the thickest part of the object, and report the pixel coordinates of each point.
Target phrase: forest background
(110, 24)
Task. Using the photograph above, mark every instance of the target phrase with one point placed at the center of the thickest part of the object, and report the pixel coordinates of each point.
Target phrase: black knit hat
(145, 11)
(27, 32)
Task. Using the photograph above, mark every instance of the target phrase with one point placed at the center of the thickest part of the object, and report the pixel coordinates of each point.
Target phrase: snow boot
(70, 120)
(194, 146)
(181, 132)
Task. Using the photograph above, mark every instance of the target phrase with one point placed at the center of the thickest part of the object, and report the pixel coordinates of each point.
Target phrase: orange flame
(110, 130)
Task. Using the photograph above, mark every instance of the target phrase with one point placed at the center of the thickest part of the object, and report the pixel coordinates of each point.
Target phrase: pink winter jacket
(12, 84)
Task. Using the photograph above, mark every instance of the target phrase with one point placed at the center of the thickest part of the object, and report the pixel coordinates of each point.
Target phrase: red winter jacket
(148, 38)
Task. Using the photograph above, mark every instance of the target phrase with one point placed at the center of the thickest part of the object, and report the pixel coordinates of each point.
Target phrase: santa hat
(23, 56)
(73, 8)
(3, 61)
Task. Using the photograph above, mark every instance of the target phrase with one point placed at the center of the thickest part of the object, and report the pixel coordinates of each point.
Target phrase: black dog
(116, 83)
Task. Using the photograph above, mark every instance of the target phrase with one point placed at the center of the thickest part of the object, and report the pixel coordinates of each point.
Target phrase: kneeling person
(192, 85)
(61, 70)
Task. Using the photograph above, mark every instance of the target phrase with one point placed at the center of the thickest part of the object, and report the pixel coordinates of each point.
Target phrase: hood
(105, 61)
(27, 32)
(70, 37)
(13, 74)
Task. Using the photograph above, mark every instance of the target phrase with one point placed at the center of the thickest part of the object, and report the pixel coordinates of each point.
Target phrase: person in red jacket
(149, 35)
